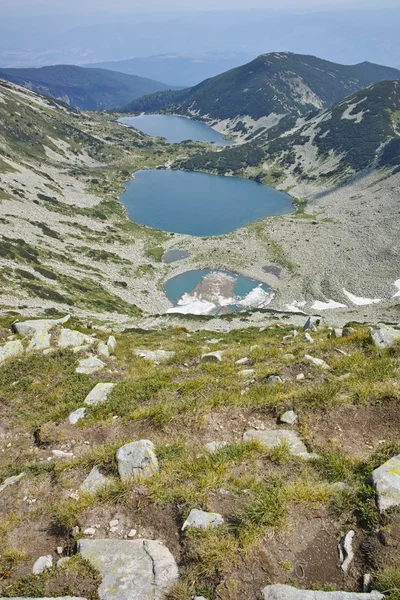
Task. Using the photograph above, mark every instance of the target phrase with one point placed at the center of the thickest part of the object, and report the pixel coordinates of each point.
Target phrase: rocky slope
(87, 89)
(256, 96)
(171, 465)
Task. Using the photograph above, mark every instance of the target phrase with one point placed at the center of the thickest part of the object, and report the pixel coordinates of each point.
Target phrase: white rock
(40, 341)
(69, 338)
(99, 394)
(312, 324)
(308, 337)
(385, 336)
(11, 481)
(288, 417)
(112, 344)
(94, 482)
(91, 365)
(272, 438)
(61, 454)
(132, 533)
(318, 362)
(31, 327)
(155, 356)
(246, 373)
(212, 356)
(137, 460)
(42, 563)
(386, 481)
(345, 548)
(11, 350)
(114, 523)
(89, 531)
(77, 415)
(287, 592)
(213, 447)
(242, 361)
(103, 350)
(300, 377)
(202, 520)
(59, 550)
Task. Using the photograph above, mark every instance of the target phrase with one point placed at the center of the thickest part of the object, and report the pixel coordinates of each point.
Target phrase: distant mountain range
(87, 89)
(260, 93)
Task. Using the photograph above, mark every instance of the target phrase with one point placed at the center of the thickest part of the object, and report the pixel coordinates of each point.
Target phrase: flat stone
(61, 454)
(42, 563)
(103, 350)
(89, 531)
(156, 356)
(112, 344)
(69, 338)
(386, 481)
(213, 447)
(272, 438)
(131, 569)
(77, 415)
(99, 394)
(385, 336)
(199, 598)
(11, 481)
(31, 327)
(288, 417)
(212, 356)
(300, 377)
(40, 341)
(91, 365)
(242, 361)
(132, 533)
(11, 350)
(114, 523)
(94, 482)
(137, 460)
(287, 592)
(318, 362)
(202, 520)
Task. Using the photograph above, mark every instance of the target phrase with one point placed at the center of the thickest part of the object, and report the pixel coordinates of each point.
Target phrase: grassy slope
(264, 496)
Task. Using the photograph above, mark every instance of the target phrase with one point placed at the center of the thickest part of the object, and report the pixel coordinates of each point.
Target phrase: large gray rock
(90, 365)
(77, 415)
(312, 323)
(112, 344)
(131, 570)
(385, 336)
(31, 327)
(103, 350)
(11, 350)
(155, 356)
(386, 481)
(272, 438)
(94, 482)
(99, 394)
(137, 460)
(11, 481)
(42, 563)
(212, 356)
(202, 520)
(70, 338)
(40, 341)
(287, 592)
(289, 417)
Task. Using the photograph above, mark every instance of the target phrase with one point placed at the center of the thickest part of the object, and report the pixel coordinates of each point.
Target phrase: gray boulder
(90, 365)
(11, 481)
(272, 438)
(289, 417)
(137, 460)
(99, 394)
(312, 323)
(77, 415)
(112, 344)
(287, 592)
(212, 356)
(155, 356)
(42, 563)
(131, 569)
(31, 327)
(11, 350)
(94, 482)
(103, 350)
(40, 341)
(69, 338)
(202, 520)
(386, 481)
(385, 336)
(318, 362)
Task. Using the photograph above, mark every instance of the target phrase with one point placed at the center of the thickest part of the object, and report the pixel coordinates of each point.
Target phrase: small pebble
(132, 533)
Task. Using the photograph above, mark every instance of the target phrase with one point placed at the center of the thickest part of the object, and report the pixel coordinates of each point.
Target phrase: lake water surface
(175, 129)
(199, 204)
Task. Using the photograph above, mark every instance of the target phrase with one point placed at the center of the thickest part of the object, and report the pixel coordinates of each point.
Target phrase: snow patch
(359, 301)
(397, 286)
(257, 298)
(318, 305)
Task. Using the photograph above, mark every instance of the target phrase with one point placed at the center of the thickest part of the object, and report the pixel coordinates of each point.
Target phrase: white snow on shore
(359, 301)
(397, 285)
(257, 298)
(318, 305)
(296, 306)
(192, 305)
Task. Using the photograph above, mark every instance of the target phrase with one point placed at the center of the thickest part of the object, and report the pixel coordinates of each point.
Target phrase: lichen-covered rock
(386, 481)
(156, 356)
(138, 460)
(99, 394)
(112, 344)
(94, 482)
(202, 520)
(69, 338)
(31, 327)
(289, 417)
(42, 563)
(271, 438)
(131, 569)
(385, 336)
(11, 481)
(287, 592)
(103, 350)
(11, 350)
(90, 365)
(40, 341)
(77, 415)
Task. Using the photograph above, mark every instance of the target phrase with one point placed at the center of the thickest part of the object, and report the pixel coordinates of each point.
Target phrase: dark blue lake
(175, 129)
(199, 204)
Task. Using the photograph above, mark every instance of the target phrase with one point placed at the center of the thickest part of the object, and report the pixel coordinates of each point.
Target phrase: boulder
(272, 438)
(112, 344)
(131, 569)
(212, 356)
(40, 341)
(202, 520)
(155, 356)
(29, 328)
(318, 362)
(99, 394)
(11, 481)
(287, 592)
(94, 482)
(42, 563)
(69, 338)
(385, 336)
(386, 481)
(77, 415)
(11, 350)
(312, 323)
(213, 447)
(289, 417)
(90, 365)
(137, 460)
(103, 350)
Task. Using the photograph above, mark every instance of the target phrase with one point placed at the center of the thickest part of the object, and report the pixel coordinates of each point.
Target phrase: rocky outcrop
(94, 482)
(11, 350)
(202, 520)
(90, 365)
(69, 338)
(137, 460)
(272, 438)
(287, 592)
(29, 328)
(385, 336)
(386, 481)
(155, 356)
(99, 394)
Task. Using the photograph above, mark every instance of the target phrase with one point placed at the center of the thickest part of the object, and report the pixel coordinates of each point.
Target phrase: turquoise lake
(175, 129)
(199, 204)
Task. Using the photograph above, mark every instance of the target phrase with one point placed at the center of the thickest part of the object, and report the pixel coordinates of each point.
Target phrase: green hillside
(87, 89)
